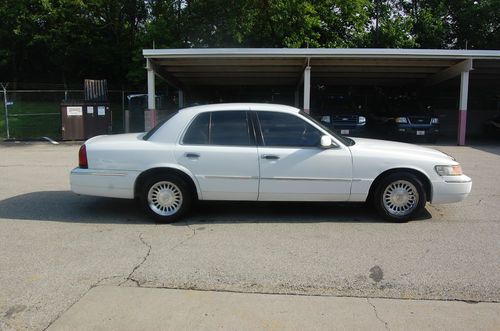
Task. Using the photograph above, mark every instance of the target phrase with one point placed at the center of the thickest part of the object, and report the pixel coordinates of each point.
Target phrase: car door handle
(192, 155)
(270, 157)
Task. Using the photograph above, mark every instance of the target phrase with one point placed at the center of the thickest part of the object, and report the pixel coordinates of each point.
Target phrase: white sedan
(262, 152)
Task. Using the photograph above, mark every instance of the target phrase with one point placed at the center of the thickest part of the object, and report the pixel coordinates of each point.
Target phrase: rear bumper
(451, 189)
(104, 183)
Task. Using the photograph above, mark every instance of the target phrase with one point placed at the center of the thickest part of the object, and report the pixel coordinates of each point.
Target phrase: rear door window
(222, 128)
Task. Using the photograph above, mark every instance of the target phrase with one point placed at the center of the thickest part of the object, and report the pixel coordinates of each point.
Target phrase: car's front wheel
(400, 197)
(166, 198)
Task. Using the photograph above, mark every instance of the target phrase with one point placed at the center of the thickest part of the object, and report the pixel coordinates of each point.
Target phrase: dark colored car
(492, 128)
(344, 116)
(405, 119)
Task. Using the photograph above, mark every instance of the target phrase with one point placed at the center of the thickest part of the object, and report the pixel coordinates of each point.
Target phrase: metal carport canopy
(296, 67)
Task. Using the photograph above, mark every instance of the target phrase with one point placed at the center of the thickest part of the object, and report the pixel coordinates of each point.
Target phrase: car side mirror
(326, 141)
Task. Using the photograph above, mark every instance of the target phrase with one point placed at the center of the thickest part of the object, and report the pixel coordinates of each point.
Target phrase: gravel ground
(56, 245)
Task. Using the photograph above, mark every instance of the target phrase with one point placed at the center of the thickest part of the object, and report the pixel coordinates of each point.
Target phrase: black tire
(177, 198)
(386, 197)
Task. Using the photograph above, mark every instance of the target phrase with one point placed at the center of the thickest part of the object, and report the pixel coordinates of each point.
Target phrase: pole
(4, 87)
(462, 110)
(150, 114)
(151, 87)
(123, 111)
(307, 89)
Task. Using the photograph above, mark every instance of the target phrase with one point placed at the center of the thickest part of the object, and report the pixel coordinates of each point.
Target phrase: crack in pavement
(184, 240)
(103, 279)
(129, 277)
(79, 298)
(137, 266)
(376, 314)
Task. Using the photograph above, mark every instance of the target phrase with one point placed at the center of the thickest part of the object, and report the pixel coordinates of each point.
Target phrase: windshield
(345, 140)
(405, 106)
(340, 104)
(153, 130)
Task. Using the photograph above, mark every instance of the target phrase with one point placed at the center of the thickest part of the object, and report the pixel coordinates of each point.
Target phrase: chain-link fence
(31, 114)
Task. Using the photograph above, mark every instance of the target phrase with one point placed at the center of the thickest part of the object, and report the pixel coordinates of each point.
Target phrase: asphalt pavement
(56, 246)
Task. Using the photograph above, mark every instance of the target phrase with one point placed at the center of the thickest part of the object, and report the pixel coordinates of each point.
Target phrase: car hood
(387, 148)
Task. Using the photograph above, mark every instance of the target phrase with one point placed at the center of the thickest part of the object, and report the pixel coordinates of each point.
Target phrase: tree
(431, 23)
(475, 24)
(391, 26)
(343, 23)
(69, 40)
(19, 50)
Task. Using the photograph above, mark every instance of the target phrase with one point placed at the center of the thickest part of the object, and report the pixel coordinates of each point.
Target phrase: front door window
(285, 130)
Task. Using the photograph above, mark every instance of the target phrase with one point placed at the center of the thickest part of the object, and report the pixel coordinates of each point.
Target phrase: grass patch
(32, 120)
(38, 119)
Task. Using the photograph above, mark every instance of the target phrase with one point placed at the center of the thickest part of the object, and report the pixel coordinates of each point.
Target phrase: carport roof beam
(169, 78)
(321, 53)
(457, 69)
(285, 66)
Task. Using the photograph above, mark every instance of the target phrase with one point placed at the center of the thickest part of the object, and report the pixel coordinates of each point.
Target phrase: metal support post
(181, 99)
(4, 87)
(462, 111)
(150, 114)
(123, 112)
(307, 89)
(151, 86)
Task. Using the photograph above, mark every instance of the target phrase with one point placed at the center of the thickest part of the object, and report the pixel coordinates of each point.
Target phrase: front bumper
(349, 130)
(409, 131)
(451, 189)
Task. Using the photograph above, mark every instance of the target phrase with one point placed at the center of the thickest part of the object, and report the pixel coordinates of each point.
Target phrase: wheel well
(157, 171)
(422, 177)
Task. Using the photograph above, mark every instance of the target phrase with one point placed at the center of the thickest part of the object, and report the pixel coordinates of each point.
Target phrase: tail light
(82, 157)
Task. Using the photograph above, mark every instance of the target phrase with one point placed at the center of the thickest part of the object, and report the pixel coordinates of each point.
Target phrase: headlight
(448, 170)
(361, 119)
(434, 120)
(401, 120)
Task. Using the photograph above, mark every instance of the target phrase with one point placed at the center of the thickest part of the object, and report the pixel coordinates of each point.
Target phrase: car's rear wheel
(400, 197)
(166, 198)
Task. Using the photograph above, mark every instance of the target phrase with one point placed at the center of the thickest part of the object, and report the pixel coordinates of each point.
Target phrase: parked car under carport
(343, 114)
(402, 118)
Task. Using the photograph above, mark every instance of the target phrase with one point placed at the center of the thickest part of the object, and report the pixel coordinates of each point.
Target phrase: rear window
(230, 128)
(222, 128)
(153, 130)
(197, 134)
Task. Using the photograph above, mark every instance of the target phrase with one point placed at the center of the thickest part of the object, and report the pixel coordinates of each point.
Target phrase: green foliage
(65, 41)
(283, 24)
(343, 23)
(475, 23)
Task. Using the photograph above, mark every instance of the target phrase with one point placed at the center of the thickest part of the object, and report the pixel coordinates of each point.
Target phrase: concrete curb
(133, 308)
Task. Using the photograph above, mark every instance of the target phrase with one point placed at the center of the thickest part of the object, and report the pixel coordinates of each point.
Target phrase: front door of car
(220, 151)
(293, 165)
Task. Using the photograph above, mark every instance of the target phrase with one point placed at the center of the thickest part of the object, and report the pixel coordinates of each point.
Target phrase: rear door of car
(293, 166)
(219, 148)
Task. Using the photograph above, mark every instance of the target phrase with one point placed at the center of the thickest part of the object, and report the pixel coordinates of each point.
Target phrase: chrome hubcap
(165, 198)
(400, 198)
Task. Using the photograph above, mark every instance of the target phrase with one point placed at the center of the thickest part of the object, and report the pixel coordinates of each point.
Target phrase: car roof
(240, 106)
